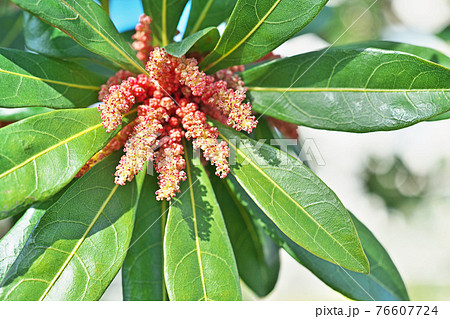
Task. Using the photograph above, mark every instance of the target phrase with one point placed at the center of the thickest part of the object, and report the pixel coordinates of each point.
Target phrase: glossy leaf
(198, 257)
(79, 244)
(41, 154)
(202, 41)
(256, 27)
(34, 80)
(45, 39)
(13, 242)
(88, 24)
(165, 15)
(443, 116)
(142, 272)
(257, 256)
(383, 281)
(422, 52)
(296, 200)
(272, 135)
(17, 114)
(208, 13)
(355, 90)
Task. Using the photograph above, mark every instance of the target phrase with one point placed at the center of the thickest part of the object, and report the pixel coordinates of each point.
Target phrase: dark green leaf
(202, 41)
(382, 283)
(256, 27)
(274, 137)
(208, 13)
(11, 28)
(79, 244)
(198, 257)
(41, 154)
(13, 115)
(142, 272)
(43, 38)
(34, 80)
(296, 200)
(445, 34)
(88, 24)
(257, 256)
(355, 90)
(165, 15)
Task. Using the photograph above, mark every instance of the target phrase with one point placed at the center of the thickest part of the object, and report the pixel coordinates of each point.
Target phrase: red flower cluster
(171, 103)
(143, 38)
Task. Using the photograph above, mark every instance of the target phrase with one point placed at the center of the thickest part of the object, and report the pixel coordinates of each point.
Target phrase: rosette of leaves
(75, 234)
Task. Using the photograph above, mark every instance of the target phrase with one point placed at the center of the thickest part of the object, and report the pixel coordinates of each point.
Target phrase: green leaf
(256, 27)
(12, 243)
(43, 38)
(142, 272)
(445, 34)
(296, 200)
(422, 52)
(41, 154)
(202, 41)
(165, 15)
(11, 28)
(257, 256)
(198, 257)
(208, 13)
(105, 5)
(34, 80)
(443, 116)
(354, 90)
(79, 244)
(17, 114)
(383, 281)
(88, 24)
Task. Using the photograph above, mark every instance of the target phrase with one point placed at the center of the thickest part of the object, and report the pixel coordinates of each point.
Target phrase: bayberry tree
(131, 184)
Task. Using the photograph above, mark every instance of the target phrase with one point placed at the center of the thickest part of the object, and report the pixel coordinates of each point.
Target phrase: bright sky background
(125, 14)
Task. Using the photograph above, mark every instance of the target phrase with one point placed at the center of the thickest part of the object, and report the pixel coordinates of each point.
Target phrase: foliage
(76, 230)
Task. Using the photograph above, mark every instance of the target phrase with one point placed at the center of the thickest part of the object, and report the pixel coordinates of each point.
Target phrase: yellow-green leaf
(41, 154)
(34, 80)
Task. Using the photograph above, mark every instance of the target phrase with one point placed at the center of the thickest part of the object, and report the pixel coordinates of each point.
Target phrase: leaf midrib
(121, 52)
(164, 39)
(74, 85)
(79, 243)
(194, 218)
(356, 90)
(163, 231)
(252, 31)
(202, 17)
(291, 199)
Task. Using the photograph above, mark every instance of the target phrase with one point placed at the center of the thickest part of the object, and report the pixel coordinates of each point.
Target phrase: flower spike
(172, 103)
